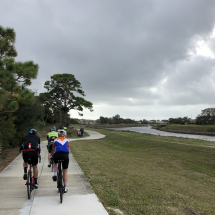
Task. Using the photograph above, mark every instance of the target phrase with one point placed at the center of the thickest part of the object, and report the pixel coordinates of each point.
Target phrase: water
(149, 130)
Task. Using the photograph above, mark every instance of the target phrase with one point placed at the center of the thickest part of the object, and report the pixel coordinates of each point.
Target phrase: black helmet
(61, 127)
(33, 131)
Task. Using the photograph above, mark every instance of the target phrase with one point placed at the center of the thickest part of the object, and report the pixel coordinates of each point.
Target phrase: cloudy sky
(140, 59)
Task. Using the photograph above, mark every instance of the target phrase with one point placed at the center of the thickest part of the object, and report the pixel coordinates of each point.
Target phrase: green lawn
(146, 174)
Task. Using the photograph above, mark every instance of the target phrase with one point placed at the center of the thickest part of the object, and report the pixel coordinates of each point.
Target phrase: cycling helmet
(62, 132)
(33, 131)
(61, 127)
(53, 129)
(65, 128)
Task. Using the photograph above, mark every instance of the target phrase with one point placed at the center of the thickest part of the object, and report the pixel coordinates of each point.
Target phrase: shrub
(211, 130)
(8, 135)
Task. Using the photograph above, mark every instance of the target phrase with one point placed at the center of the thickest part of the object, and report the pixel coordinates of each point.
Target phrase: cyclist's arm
(68, 145)
(53, 148)
(22, 146)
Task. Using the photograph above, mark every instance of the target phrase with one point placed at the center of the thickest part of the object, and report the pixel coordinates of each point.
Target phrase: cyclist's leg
(65, 165)
(35, 171)
(55, 166)
(25, 164)
(34, 158)
(49, 155)
(49, 159)
(65, 176)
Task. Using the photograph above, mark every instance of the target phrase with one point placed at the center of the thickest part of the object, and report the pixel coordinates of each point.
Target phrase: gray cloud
(121, 51)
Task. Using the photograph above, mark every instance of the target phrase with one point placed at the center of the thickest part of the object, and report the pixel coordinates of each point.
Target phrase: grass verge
(147, 174)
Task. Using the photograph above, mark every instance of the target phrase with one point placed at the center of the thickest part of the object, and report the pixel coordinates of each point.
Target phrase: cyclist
(60, 151)
(82, 132)
(31, 149)
(50, 137)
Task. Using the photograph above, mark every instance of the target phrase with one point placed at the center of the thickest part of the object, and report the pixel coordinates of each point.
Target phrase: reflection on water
(150, 130)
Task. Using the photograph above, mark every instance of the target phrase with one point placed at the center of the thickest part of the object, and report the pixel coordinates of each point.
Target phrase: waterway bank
(150, 130)
(208, 130)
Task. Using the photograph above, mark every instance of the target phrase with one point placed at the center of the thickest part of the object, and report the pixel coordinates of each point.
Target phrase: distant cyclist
(82, 132)
(31, 149)
(60, 151)
(50, 137)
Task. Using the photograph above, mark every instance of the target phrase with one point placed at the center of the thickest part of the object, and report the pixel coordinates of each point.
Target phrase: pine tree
(62, 90)
(14, 76)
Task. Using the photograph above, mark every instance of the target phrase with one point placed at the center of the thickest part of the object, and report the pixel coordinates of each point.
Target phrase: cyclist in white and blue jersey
(60, 151)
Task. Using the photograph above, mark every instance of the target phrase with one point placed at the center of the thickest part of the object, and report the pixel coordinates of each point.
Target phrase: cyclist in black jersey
(31, 149)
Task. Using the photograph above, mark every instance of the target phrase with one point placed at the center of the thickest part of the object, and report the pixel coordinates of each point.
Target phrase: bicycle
(30, 180)
(60, 182)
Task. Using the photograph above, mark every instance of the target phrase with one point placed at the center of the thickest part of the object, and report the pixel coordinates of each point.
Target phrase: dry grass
(7, 156)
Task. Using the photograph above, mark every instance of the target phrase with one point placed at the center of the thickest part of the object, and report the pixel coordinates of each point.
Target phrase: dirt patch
(8, 156)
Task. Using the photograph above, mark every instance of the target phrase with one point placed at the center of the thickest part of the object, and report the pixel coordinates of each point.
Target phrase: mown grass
(146, 174)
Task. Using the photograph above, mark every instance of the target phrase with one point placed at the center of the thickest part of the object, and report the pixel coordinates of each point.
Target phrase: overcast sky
(140, 59)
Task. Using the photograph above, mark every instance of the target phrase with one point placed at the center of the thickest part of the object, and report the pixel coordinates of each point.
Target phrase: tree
(207, 116)
(50, 109)
(28, 117)
(8, 135)
(117, 119)
(62, 90)
(14, 76)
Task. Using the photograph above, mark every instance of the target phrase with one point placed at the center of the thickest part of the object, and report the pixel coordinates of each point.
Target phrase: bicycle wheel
(61, 191)
(29, 184)
(60, 183)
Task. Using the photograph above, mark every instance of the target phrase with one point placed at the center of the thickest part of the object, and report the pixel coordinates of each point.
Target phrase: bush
(211, 130)
(8, 135)
(28, 117)
(160, 126)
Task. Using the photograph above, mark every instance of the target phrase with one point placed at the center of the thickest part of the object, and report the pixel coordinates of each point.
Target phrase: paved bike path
(80, 199)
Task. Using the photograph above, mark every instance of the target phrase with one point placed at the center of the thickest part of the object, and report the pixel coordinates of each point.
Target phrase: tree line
(207, 117)
(114, 120)
(22, 109)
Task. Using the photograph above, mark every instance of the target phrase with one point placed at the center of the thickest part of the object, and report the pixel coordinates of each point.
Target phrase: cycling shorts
(30, 154)
(62, 156)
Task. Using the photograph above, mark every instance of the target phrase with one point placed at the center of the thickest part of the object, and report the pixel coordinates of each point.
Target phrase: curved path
(80, 199)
